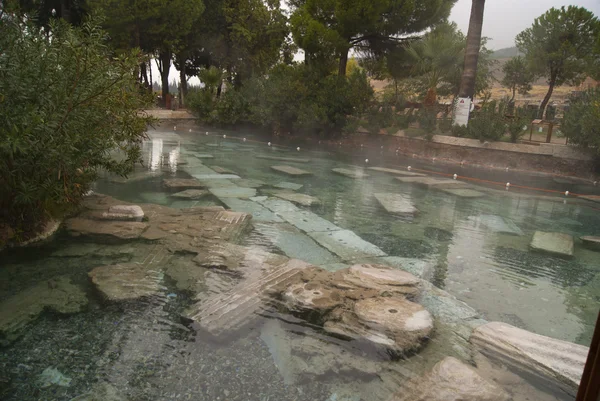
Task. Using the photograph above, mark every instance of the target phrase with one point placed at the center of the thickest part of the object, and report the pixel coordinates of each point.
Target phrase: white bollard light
(244, 139)
(206, 133)
(507, 169)
(298, 148)
(366, 160)
(174, 128)
(566, 193)
(224, 136)
(507, 185)
(455, 176)
(409, 168)
(190, 130)
(269, 143)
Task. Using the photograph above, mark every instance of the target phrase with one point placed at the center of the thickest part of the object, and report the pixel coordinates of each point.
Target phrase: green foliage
(517, 76)
(291, 99)
(67, 108)
(428, 119)
(332, 27)
(560, 46)
(445, 124)
(582, 121)
(516, 123)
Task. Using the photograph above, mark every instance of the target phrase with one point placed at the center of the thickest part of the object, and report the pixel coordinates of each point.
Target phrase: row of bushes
(290, 99)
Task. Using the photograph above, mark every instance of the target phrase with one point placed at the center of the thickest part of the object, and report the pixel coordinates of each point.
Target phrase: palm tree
(436, 58)
(467, 83)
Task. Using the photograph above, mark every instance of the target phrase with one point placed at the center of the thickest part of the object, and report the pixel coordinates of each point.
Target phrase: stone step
(554, 243)
(284, 159)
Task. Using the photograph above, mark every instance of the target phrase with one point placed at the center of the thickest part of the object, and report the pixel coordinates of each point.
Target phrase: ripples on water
(148, 351)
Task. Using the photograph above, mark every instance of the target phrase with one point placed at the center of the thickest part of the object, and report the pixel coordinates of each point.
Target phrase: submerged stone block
(57, 294)
(293, 171)
(553, 243)
(128, 281)
(355, 173)
(591, 242)
(108, 230)
(181, 184)
(288, 185)
(499, 224)
(300, 199)
(396, 204)
(346, 244)
(307, 221)
(463, 192)
(259, 213)
(191, 194)
(284, 159)
(553, 361)
(396, 172)
(432, 182)
(233, 192)
(451, 380)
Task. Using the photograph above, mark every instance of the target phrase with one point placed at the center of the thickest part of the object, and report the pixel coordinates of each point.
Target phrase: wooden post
(531, 132)
(589, 388)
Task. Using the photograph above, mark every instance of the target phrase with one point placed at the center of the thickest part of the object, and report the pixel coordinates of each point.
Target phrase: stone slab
(396, 172)
(233, 192)
(124, 213)
(229, 311)
(591, 242)
(190, 194)
(431, 181)
(557, 362)
(127, 281)
(206, 177)
(450, 380)
(278, 205)
(181, 184)
(222, 170)
(289, 170)
(251, 183)
(295, 244)
(284, 159)
(346, 244)
(396, 204)
(499, 224)
(203, 156)
(350, 173)
(258, 212)
(300, 199)
(553, 243)
(288, 185)
(463, 192)
(414, 266)
(308, 221)
(110, 230)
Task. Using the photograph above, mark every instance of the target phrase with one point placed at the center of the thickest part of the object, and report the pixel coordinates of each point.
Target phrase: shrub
(67, 105)
(581, 123)
(428, 119)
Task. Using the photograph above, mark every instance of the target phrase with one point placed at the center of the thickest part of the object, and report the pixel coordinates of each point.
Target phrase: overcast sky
(504, 19)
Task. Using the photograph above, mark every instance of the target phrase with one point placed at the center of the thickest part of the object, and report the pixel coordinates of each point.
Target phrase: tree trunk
(343, 63)
(144, 74)
(514, 90)
(150, 70)
(165, 60)
(65, 10)
(542, 110)
(183, 84)
(467, 82)
(219, 89)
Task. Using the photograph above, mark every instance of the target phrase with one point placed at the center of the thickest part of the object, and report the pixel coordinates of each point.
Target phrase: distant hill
(508, 52)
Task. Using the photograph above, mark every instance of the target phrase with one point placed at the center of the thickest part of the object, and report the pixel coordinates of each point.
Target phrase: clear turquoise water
(144, 349)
